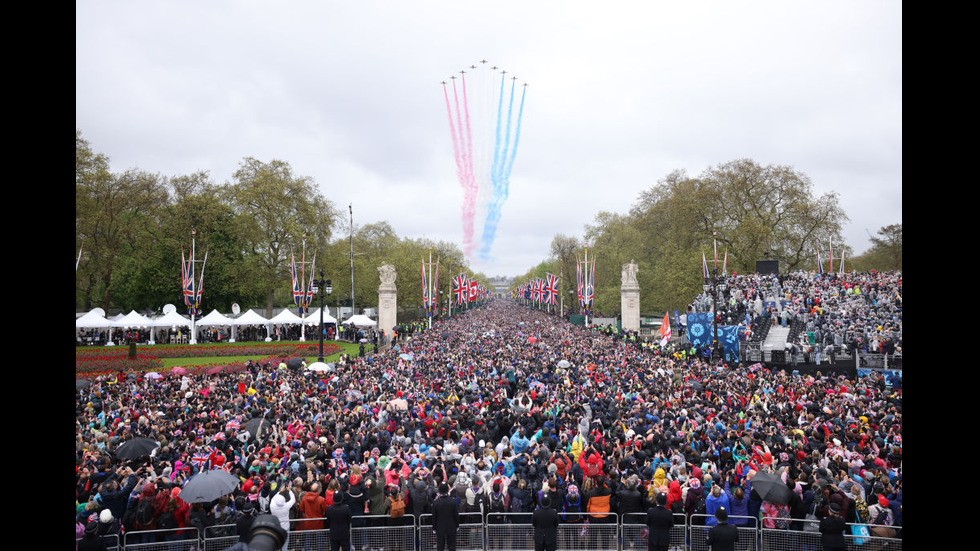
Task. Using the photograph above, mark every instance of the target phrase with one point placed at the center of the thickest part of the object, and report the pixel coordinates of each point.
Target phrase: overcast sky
(619, 95)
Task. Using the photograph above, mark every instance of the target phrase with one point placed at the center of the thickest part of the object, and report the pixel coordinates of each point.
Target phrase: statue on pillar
(629, 274)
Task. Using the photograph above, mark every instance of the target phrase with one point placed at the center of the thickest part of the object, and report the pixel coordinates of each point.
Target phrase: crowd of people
(508, 410)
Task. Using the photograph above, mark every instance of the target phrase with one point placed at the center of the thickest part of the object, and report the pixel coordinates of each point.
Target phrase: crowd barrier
(514, 532)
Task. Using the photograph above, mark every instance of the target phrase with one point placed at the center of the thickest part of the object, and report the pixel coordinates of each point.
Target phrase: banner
(699, 329)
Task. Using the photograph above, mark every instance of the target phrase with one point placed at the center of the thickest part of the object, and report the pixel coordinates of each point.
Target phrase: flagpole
(350, 207)
(302, 290)
(588, 306)
(193, 337)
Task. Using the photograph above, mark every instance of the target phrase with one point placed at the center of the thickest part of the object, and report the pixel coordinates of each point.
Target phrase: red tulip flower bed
(112, 361)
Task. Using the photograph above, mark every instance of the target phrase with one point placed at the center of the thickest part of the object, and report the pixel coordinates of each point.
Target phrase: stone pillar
(630, 298)
(387, 300)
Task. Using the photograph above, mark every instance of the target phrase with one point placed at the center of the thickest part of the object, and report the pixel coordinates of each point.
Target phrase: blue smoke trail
(500, 171)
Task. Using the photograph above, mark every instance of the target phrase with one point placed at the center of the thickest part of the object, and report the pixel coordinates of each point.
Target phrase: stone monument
(387, 299)
(630, 297)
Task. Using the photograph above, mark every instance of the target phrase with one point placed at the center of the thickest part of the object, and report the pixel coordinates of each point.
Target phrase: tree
(274, 209)
(885, 252)
(112, 214)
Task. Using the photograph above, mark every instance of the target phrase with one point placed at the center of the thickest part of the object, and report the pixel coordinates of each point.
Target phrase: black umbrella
(208, 486)
(135, 448)
(82, 383)
(771, 488)
(294, 363)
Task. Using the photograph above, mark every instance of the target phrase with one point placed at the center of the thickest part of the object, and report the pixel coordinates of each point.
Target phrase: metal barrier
(635, 534)
(177, 539)
(514, 532)
(867, 541)
(367, 531)
(469, 537)
(218, 538)
(748, 533)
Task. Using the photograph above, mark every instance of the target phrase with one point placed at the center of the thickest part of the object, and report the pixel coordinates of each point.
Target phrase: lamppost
(321, 286)
(715, 285)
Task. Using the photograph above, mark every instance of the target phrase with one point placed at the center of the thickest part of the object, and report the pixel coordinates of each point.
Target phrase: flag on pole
(665, 330)
(425, 291)
(187, 276)
(724, 265)
(819, 263)
(308, 295)
(704, 266)
(460, 289)
(474, 290)
(552, 289)
(841, 262)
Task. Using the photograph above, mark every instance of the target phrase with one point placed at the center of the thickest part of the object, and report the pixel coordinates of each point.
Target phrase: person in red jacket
(591, 462)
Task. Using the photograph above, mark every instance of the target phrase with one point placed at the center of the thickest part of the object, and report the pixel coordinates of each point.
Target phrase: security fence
(515, 532)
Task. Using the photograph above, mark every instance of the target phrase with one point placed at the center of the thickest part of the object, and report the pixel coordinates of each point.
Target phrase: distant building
(500, 286)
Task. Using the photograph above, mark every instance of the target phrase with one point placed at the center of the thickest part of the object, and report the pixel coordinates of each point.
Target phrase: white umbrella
(318, 366)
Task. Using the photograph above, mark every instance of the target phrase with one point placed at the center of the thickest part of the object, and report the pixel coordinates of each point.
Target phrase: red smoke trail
(469, 198)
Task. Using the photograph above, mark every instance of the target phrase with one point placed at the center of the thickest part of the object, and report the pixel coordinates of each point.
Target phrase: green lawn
(168, 363)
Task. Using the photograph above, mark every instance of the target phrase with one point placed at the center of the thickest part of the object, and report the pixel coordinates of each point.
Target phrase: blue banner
(729, 337)
(699, 328)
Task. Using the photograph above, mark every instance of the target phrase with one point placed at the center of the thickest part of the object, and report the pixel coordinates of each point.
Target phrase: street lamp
(715, 285)
(322, 285)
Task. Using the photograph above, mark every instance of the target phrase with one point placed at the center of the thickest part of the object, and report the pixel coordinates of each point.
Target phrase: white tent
(314, 318)
(215, 318)
(172, 319)
(250, 318)
(360, 320)
(133, 319)
(286, 317)
(94, 319)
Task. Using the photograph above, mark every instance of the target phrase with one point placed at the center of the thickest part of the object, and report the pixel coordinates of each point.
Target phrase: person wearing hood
(279, 507)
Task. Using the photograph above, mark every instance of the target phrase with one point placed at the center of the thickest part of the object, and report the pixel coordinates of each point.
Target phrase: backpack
(700, 509)
(783, 519)
(497, 503)
(516, 504)
(167, 521)
(397, 507)
(573, 508)
(144, 513)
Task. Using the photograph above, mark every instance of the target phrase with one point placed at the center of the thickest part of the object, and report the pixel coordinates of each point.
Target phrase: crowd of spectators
(508, 405)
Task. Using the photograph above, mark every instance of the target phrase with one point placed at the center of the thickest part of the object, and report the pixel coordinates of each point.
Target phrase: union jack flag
(425, 293)
(551, 289)
(187, 280)
(308, 296)
(578, 286)
(460, 289)
(233, 425)
(200, 459)
(297, 291)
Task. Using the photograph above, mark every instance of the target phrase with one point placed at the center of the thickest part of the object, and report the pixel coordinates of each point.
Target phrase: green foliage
(885, 253)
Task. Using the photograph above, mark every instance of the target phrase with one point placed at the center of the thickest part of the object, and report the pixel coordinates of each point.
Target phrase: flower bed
(112, 361)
